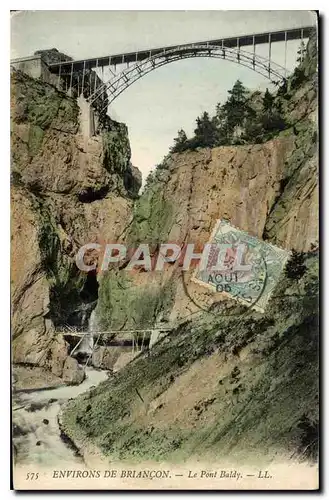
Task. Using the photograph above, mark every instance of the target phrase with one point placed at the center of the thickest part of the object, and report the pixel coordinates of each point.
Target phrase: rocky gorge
(66, 190)
(247, 371)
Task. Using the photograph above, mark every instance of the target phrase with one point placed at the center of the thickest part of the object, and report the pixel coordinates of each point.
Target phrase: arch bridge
(99, 79)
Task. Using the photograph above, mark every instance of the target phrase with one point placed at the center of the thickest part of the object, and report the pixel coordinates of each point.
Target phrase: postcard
(164, 250)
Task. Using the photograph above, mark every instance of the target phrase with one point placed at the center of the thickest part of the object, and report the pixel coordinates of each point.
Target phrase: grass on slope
(217, 387)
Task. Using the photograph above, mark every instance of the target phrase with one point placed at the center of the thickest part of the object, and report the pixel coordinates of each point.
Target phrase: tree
(295, 267)
(283, 88)
(268, 101)
(238, 94)
(298, 78)
(278, 106)
(180, 142)
(253, 127)
(205, 132)
(273, 122)
(149, 179)
(301, 52)
(221, 122)
(236, 107)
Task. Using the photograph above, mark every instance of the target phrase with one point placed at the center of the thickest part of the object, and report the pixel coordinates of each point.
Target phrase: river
(36, 433)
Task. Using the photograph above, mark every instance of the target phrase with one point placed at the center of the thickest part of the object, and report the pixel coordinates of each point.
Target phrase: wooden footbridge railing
(138, 339)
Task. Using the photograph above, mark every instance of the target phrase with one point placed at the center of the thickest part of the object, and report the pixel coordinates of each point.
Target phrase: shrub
(295, 267)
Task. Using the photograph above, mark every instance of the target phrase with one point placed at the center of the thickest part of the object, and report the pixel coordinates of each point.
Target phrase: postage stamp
(254, 281)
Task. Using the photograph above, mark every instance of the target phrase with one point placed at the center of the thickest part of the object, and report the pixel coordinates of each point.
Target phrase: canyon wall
(67, 190)
(268, 189)
(226, 385)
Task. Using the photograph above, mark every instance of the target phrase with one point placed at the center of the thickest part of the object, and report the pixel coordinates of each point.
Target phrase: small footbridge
(138, 339)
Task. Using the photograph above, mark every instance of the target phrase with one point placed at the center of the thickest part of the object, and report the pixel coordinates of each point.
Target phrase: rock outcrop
(269, 190)
(217, 389)
(66, 191)
(73, 373)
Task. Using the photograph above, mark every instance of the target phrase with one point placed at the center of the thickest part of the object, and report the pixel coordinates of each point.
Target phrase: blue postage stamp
(250, 268)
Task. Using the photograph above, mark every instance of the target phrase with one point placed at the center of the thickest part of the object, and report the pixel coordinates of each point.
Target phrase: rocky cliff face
(66, 191)
(248, 370)
(269, 190)
(220, 387)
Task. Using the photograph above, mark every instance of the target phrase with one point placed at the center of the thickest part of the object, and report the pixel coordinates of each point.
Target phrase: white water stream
(87, 344)
(40, 441)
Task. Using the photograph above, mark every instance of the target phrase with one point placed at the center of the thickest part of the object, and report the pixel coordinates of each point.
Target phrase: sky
(170, 98)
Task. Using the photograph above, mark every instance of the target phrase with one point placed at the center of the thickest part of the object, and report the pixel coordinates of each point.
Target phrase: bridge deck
(69, 333)
(230, 42)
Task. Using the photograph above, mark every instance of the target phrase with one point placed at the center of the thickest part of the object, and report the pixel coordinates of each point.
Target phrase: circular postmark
(240, 281)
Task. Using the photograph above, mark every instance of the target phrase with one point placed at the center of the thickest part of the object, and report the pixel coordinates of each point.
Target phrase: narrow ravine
(36, 433)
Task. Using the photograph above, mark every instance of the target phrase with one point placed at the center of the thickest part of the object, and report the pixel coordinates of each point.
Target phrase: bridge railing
(118, 83)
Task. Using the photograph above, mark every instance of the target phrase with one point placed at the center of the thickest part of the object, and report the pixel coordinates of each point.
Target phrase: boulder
(73, 373)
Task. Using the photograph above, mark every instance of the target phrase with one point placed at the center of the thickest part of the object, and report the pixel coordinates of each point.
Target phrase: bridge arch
(120, 82)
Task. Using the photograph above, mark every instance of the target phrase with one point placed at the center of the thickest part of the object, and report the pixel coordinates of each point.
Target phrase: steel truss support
(285, 54)
(269, 55)
(302, 44)
(71, 79)
(253, 52)
(96, 75)
(59, 77)
(262, 65)
(83, 76)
